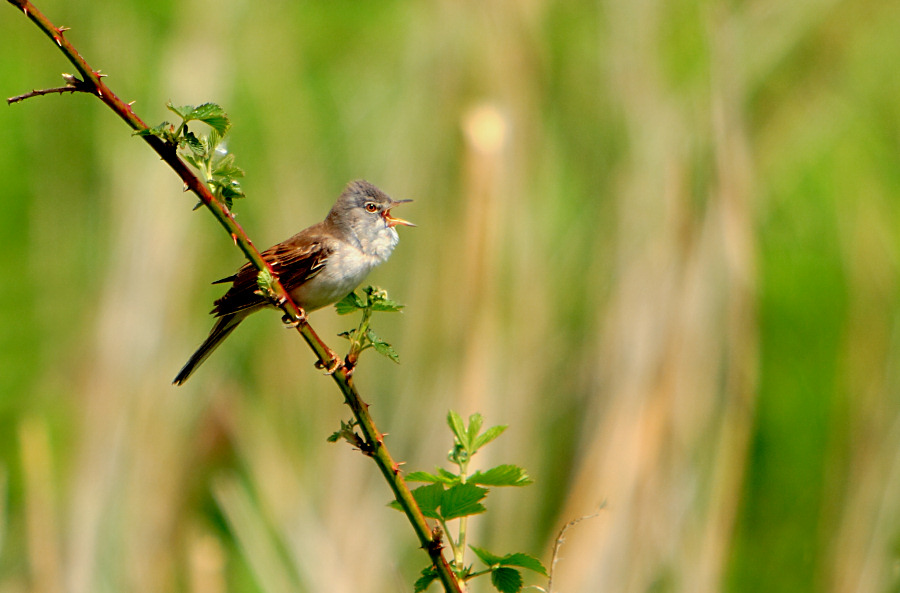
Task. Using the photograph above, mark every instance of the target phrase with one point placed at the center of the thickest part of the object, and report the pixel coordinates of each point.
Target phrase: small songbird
(318, 266)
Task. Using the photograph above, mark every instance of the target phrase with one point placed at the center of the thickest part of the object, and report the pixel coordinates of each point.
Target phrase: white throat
(378, 244)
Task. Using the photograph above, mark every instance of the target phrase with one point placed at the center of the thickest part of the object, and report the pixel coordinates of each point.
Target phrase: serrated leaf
(191, 161)
(225, 167)
(350, 303)
(488, 436)
(454, 420)
(382, 347)
(347, 432)
(265, 280)
(422, 477)
(213, 140)
(212, 115)
(462, 500)
(502, 475)
(232, 191)
(163, 131)
(507, 580)
(442, 476)
(522, 560)
(429, 498)
(226, 190)
(488, 558)
(183, 111)
(195, 144)
(379, 300)
(525, 561)
(428, 577)
(475, 423)
(387, 306)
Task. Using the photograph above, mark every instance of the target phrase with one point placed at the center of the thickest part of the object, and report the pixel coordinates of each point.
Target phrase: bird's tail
(221, 330)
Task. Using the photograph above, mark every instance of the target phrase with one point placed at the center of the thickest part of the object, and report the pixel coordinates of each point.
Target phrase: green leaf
(525, 561)
(231, 191)
(164, 131)
(225, 167)
(462, 500)
(488, 436)
(518, 559)
(475, 422)
(382, 347)
(428, 576)
(502, 475)
(387, 306)
(423, 477)
(265, 281)
(507, 580)
(183, 112)
(191, 161)
(195, 144)
(378, 300)
(213, 140)
(350, 303)
(429, 499)
(487, 557)
(443, 477)
(454, 420)
(347, 432)
(212, 115)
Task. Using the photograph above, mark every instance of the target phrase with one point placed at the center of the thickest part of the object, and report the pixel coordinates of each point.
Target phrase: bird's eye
(371, 207)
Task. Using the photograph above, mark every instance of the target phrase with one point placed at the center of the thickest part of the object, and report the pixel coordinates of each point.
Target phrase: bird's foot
(291, 323)
(333, 364)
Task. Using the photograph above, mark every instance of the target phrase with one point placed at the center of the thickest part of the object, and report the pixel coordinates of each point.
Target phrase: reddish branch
(91, 82)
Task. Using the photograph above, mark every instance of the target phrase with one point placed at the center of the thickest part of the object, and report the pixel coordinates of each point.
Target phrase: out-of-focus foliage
(659, 240)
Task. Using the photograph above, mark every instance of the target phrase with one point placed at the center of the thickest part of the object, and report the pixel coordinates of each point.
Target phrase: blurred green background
(660, 240)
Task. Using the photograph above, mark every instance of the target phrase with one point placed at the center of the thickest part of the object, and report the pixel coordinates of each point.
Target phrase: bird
(317, 267)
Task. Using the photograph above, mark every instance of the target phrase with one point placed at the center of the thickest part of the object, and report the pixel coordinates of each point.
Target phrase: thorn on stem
(62, 30)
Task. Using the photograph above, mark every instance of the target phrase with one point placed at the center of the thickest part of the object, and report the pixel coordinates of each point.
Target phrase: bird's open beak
(391, 221)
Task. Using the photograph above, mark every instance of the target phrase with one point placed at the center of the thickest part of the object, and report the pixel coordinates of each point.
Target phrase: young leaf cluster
(349, 434)
(458, 495)
(206, 153)
(362, 337)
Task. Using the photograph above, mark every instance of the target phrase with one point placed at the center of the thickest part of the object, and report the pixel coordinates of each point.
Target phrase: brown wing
(294, 262)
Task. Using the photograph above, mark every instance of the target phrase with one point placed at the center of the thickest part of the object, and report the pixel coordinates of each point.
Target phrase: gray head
(364, 212)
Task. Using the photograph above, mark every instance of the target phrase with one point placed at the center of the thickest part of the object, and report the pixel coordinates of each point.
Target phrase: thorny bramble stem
(91, 82)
